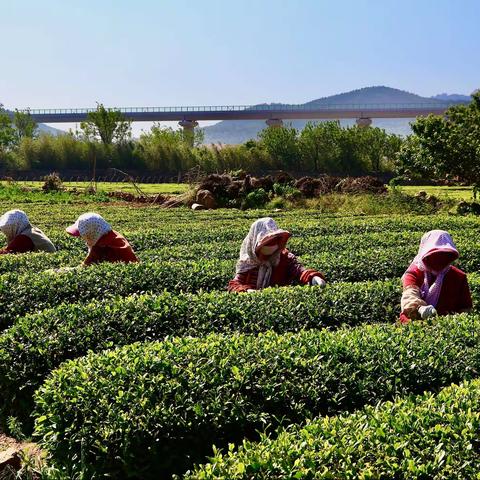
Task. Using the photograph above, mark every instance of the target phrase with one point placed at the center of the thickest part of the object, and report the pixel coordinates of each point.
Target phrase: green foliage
(329, 148)
(165, 149)
(240, 363)
(24, 124)
(106, 138)
(37, 344)
(8, 136)
(416, 438)
(147, 409)
(181, 269)
(287, 191)
(22, 294)
(445, 146)
(8, 140)
(49, 152)
(256, 199)
(108, 125)
(281, 144)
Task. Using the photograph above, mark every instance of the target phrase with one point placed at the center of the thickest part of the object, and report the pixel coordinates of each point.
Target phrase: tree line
(439, 147)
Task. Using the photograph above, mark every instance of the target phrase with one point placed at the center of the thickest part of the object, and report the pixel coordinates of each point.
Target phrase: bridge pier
(363, 122)
(188, 130)
(274, 122)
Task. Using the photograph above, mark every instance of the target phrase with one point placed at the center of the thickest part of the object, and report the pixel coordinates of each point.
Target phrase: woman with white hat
(104, 244)
(265, 261)
(21, 236)
(431, 284)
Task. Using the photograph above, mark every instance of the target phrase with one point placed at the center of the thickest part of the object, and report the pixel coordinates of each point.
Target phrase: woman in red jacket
(265, 262)
(104, 244)
(431, 284)
(21, 236)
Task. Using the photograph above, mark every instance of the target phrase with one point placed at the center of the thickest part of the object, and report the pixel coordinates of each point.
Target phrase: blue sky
(66, 53)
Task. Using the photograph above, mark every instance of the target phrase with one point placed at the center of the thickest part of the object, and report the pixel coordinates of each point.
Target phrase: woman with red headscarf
(265, 262)
(431, 284)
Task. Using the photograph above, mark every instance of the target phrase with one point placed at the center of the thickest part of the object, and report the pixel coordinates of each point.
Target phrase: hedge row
(413, 438)
(194, 229)
(342, 257)
(147, 410)
(132, 219)
(185, 250)
(24, 293)
(37, 344)
(21, 294)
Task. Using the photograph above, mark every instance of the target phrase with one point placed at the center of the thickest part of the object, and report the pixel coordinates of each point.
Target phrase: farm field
(455, 193)
(147, 188)
(137, 371)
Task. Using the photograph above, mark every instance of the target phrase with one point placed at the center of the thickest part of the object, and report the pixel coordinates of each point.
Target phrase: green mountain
(239, 131)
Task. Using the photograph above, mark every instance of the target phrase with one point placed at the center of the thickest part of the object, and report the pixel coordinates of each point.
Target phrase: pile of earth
(224, 190)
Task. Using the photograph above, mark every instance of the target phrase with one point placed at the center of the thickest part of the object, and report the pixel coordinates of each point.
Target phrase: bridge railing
(240, 108)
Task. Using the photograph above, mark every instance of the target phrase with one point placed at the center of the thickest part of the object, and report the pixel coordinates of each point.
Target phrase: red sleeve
(94, 256)
(465, 300)
(241, 283)
(412, 277)
(20, 244)
(296, 271)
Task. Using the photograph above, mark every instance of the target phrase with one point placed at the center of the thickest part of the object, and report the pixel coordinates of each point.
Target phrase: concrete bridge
(274, 115)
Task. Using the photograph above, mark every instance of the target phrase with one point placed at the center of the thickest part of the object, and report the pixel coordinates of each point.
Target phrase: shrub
(256, 199)
(190, 268)
(464, 208)
(37, 344)
(287, 191)
(416, 438)
(20, 294)
(146, 410)
(52, 183)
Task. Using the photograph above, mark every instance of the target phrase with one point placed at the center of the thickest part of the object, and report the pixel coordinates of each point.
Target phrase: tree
(318, 145)
(108, 125)
(8, 137)
(25, 126)
(376, 146)
(281, 144)
(445, 146)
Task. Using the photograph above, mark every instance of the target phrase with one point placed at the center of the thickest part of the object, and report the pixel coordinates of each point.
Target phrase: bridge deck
(248, 112)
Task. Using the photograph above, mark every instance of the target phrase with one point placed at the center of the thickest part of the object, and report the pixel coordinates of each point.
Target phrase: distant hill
(453, 97)
(239, 131)
(50, 130)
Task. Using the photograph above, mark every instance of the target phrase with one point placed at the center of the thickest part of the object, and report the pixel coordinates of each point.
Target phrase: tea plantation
(153, 370)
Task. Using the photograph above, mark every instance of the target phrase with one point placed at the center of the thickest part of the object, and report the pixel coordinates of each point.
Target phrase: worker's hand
(318, 281)
(250, 290)
(427, 311)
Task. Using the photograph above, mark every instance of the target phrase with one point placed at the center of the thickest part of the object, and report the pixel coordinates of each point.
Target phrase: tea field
(153, 370)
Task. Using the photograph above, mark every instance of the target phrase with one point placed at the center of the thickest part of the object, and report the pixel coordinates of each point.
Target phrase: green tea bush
(345, 257)
(147, 410)
(21, 294)
(413, 438)
(37, 344)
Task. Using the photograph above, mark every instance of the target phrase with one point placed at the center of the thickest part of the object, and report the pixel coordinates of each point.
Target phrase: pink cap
(73, 230)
